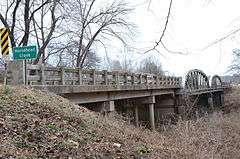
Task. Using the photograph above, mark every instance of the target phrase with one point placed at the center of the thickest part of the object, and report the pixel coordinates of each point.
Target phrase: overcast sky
(193, 25)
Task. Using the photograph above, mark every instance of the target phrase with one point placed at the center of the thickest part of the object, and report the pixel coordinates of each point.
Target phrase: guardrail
(42, 75)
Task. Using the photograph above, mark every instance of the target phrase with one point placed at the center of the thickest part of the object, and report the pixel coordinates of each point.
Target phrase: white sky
(192, 26)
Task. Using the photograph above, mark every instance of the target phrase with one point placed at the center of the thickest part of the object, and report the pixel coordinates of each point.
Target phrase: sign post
(25, 53)
(4, 42)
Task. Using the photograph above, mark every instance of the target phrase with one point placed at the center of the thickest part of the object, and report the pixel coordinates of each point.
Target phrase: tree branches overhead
(60, 26)
(92, 24)
(160, 41)
(71, 30)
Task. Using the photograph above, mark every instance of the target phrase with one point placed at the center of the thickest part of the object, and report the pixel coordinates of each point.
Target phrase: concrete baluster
(133, 79)
(105, 77)
(117, 78)
(146, 79)
(140, 79)
(43, 78)
(157, 80)
(62, 76)
(126, 78)
(93, 77)
(80, 77)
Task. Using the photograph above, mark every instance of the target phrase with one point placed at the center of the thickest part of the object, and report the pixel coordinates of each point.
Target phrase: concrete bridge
(149, 97)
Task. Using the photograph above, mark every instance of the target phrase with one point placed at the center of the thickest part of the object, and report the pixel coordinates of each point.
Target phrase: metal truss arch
(216, 81)
(196, 79)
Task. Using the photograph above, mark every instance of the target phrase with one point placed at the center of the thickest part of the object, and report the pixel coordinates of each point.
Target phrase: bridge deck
(202, 91)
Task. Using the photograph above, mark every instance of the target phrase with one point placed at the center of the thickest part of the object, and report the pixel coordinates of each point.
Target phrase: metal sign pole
(5, 61)
(5, 73)
(25, 72)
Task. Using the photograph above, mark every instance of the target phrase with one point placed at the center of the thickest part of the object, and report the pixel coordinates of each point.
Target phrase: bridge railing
(42, 75)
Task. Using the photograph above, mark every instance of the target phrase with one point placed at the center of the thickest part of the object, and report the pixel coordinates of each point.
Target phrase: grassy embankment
(35, 124)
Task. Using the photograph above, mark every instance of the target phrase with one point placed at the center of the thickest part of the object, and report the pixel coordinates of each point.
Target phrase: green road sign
(25, 53)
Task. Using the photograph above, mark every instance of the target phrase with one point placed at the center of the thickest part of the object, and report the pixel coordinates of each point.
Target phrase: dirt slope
(35, 124)
(39, 124)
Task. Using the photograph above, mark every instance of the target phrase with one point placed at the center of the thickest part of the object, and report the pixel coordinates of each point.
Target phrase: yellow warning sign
(4, 42)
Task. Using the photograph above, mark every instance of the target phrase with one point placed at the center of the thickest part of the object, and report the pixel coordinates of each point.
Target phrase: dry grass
(214, 136)
(36, 124)
(232, 99)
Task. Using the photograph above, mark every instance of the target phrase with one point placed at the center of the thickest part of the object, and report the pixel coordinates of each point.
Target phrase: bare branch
(164, 29)
(222, 38)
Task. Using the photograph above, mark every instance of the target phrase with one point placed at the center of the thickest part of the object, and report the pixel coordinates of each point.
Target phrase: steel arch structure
(196, 79)
(216, 81)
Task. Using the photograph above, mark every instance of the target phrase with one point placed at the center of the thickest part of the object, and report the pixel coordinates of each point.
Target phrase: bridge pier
(165, 108)
(102, 107)
(222, 100)
(150, 101)
(136, 113)
(108, 107)
(218, 99)
(210, 101)
(151, 115)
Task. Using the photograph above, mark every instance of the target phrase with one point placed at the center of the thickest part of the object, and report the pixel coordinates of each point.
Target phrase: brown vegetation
(35, 124)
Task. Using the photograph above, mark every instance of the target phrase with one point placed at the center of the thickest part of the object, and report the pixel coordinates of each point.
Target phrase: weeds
(55, 128)
(6, 90)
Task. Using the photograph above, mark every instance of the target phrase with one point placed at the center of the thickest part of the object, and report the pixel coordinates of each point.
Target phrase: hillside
(35, 124)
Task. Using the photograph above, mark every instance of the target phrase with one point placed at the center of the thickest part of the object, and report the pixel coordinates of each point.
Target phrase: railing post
(43, 78)
(117, 78)
(105, 77)
(133, 79)
(140, 79)
(169, 81)
(94, 76)
(174, 81)
(62, 76)
(126, 78)
(80, 78)
(146, 76)
(164, 81)
(157, 80)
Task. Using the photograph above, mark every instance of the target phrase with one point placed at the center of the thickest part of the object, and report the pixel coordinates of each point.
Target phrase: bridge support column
(151, 115)
(107, 107)
(150, 101)
(210, 101)
(136, 116)
(222, 99)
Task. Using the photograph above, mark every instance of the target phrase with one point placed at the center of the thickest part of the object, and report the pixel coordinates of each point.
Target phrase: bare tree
(43, 32)
(91, 25)
(30, 20)
(235, 67)
(92, 60)
(151, 66)
(116, 65)
(18, 23)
